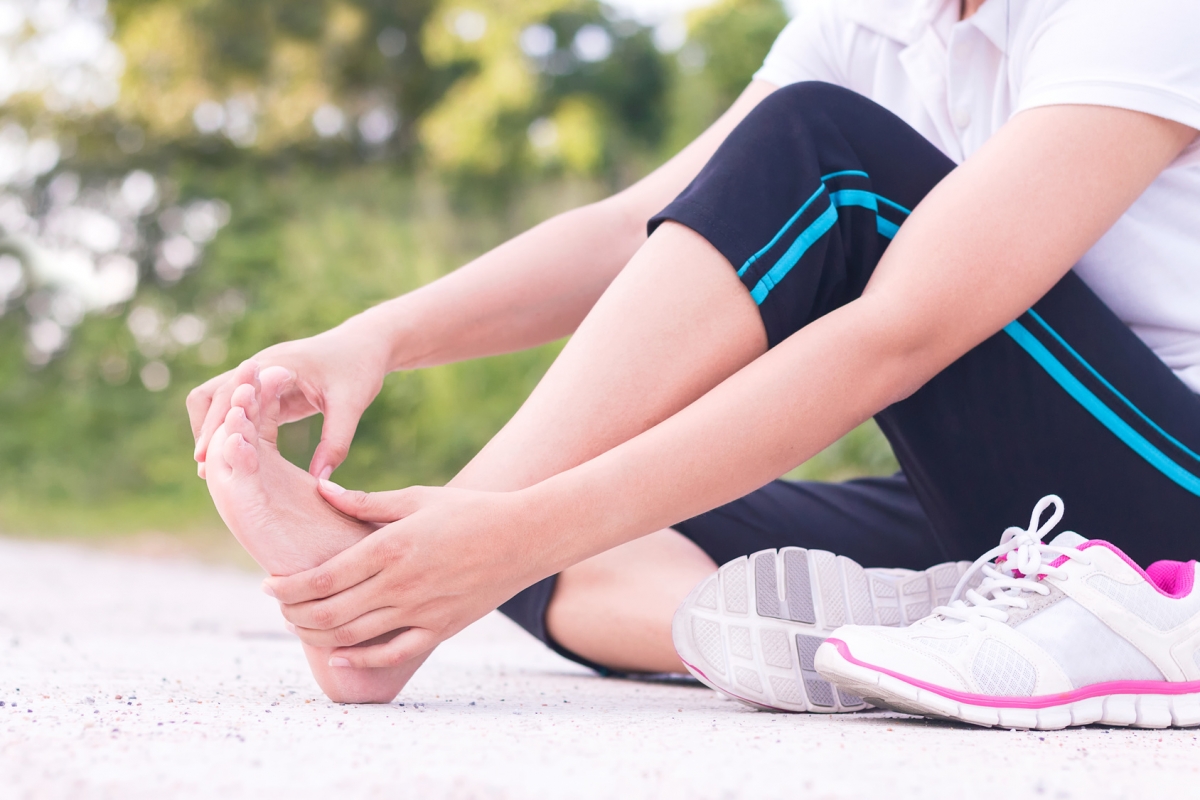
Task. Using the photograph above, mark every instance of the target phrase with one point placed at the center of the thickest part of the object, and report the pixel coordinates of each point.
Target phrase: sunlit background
(184, 183)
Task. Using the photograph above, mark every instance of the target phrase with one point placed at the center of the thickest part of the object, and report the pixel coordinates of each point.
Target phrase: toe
(240, 455)
(245, 397)
(236, 421)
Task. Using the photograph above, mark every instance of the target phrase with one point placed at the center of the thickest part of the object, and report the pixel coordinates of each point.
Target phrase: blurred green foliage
(493, 128)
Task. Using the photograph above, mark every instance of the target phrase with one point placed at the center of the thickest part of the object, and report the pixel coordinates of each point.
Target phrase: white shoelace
(1027, 559)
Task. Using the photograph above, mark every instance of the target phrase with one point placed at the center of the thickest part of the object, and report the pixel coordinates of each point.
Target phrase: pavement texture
(131, 677)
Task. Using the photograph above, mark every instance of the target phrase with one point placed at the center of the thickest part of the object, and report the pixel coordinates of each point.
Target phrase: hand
(453, 556)
(337, 373)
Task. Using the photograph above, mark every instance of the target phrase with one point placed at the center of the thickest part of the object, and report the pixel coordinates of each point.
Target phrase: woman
(861, 234)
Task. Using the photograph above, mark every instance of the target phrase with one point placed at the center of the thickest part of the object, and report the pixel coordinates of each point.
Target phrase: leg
(674, 324)
(631, 364)
(628, 367)
(771, 224)
(614, 609)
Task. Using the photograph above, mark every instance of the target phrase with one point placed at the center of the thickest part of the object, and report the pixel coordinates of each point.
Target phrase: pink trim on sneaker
(1173, 577)
(1180, 579)
(1040, 701)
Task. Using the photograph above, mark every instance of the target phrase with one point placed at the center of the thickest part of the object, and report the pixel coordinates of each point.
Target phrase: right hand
(337, 373)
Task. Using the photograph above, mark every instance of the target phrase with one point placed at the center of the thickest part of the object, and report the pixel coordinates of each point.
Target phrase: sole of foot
(273, 509)
(891, 692)
(751, 630)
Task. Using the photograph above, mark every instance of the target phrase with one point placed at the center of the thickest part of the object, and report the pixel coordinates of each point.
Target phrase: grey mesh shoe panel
(820, 692)
(806, 648)
(797, 585)
(765, 588)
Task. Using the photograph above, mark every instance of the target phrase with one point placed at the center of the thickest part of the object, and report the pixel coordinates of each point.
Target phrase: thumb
(374, 506)
(337, 431)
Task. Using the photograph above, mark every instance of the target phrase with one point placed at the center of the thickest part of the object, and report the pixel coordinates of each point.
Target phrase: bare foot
(273, 509)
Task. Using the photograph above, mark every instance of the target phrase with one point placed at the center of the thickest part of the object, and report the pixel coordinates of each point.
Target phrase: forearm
(769, 417)
(533, 289)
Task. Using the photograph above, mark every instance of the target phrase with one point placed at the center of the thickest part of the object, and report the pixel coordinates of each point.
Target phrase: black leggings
(802, 199)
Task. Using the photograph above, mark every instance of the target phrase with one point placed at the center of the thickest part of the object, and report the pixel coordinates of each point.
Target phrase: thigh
(875, 521)
(1065, 400)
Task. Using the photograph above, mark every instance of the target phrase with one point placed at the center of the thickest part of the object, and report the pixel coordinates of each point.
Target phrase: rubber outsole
(751, 631)
(1126, 710)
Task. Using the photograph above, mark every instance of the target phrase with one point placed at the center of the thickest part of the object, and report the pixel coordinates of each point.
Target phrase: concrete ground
(130, 677)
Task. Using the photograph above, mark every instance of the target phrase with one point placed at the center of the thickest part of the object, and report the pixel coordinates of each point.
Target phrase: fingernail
(200, 471)
(339, 662)
(331, 487)
(291, 628)
(266, 590)
(325, 473)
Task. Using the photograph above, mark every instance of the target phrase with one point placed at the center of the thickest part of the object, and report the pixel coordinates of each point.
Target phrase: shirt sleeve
(1140, 56)
(805, 49)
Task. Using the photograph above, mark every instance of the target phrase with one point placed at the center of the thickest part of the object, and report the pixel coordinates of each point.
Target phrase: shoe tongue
(1067, 539)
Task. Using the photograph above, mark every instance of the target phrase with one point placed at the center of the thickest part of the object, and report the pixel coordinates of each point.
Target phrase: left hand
(447, 558)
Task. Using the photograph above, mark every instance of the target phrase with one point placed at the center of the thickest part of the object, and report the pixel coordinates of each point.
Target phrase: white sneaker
(1059, 634)
(750, 631)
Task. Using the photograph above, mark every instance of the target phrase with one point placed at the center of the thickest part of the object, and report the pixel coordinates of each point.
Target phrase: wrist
(565, 520)
(384, 332)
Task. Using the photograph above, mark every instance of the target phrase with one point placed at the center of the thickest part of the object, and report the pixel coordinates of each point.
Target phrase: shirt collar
(906, 20)
(902, 20)
(994, 20)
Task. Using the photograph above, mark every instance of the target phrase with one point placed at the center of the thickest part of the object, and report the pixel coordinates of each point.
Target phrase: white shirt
(957, 82)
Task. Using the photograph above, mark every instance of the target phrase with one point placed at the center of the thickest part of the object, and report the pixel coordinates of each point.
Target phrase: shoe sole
(751, 631)
(892, 692)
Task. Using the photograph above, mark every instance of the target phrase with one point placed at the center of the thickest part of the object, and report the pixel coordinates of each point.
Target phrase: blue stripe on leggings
(782, 231)
(854, 197)
(818, 228)
(858, 173)
(868, 200)
(1038, 318)
(783, 266)
(1096, 407)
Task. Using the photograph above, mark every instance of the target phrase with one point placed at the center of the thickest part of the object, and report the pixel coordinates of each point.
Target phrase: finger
(369, 626)
(199, 399)
(408, 645)
(342, 608)
(375, 506)
(337, 432)
(246, 372)
(348, 568)
(274, 381)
